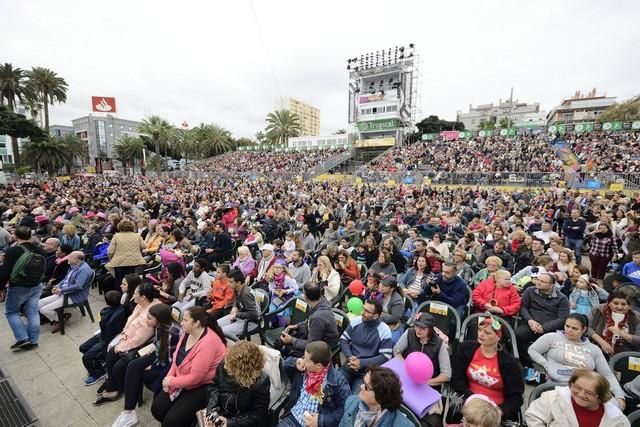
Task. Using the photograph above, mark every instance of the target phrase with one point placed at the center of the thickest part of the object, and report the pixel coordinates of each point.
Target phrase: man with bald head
(76, 283)
(50, 247)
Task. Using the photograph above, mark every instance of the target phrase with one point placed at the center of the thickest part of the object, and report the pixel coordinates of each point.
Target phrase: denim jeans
(576, 246)
(16, 297)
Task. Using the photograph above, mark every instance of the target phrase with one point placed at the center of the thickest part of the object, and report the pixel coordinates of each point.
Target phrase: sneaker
(126, 420)
(102, 388)
(19, 344)
(91, 380)
(29, 346)
(529, 374)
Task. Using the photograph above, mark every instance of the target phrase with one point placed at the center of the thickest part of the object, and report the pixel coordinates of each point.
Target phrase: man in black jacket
(221, 244)
(319, 326)
(573, 232)
(24, 295)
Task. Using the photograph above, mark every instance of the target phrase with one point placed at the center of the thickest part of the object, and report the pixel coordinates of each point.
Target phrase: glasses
(575, 387)
(369, 312)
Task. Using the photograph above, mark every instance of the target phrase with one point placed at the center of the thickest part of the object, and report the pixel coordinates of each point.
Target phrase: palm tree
(75, 148)
(49, 88)
(212, 139)
(128, 150)
(282, 125)
(340, 132)
(184, 142)
(34, 107)
(12, 88)
(48, 154)
(160, 131)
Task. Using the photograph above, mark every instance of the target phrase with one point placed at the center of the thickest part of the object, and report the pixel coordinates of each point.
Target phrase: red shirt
(587, 418)
(483, 375)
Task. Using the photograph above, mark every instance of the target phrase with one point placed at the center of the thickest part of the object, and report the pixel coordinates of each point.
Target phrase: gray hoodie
(559, 357)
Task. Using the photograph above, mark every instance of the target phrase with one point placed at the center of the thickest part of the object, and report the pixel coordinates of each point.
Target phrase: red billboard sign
(103, 104)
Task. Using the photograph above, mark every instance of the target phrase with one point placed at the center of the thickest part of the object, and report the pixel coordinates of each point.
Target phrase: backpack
(29, 269)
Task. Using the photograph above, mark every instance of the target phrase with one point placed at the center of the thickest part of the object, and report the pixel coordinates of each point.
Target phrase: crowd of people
(595, 153)
(271, 163)
(617, 152)
(494, 154)
(191, 267)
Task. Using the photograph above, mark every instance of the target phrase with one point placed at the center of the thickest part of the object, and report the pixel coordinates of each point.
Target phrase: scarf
(278, 280)
(616, 342)
(313, 383)
(367, 418)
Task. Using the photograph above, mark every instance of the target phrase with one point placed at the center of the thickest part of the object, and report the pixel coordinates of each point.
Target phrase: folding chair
(84, 305)
(280, 402)
(634, 418)
(413, 418)
(446, 317)
(342, 320)
(625, 366)
(299, 312)
(263, 301)
(537, 392)
(510, 335)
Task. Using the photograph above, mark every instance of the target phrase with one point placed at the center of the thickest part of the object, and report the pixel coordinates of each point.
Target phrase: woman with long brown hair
(152, 364)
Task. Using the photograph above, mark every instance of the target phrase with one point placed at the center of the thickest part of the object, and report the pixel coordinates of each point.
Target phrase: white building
(313, 142)
(519, 112)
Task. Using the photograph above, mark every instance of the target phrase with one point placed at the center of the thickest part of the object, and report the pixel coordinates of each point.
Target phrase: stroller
(158, 271)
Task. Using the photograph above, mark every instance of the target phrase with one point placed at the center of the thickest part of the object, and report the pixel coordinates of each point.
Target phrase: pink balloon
(418, 367)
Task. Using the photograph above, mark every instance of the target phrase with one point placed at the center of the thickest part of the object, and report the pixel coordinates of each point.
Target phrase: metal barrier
(328, 164)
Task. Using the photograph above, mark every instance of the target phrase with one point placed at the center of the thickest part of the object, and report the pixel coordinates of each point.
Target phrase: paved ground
(51, 378)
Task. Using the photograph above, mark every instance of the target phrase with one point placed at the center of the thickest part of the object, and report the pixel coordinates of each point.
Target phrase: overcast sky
(214, 61)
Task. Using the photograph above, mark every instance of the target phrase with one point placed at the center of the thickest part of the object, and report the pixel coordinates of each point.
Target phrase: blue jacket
(370, 342)
(452, 292)
(335, 390)
(389, 419)
(77, 283)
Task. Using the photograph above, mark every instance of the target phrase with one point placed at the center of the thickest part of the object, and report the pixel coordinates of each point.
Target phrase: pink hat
(74, 210)
(59, 220)
(90, 215)
(41, 218)
(101, 215)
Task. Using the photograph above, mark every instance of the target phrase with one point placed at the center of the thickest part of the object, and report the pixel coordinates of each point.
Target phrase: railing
(328, 164)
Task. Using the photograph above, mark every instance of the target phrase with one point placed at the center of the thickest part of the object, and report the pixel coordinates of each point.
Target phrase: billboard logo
(103, 104)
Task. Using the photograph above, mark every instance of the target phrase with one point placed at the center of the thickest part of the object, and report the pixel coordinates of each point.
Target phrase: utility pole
(510, 108)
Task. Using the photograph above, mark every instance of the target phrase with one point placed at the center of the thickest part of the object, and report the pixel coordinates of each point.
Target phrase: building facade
(60, 131)
(308, 115)
(6, 150)
(518, 111)
(102, 132)
(580, 108)
(312, 142)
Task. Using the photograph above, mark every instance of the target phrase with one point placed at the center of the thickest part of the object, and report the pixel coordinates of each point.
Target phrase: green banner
(558, 128)
(485, 133)
(612, 126)
(428, 136)
(374, 125)
(508, 132)
(635, 125)
(527, 125)
(464, 134)
(583, 127)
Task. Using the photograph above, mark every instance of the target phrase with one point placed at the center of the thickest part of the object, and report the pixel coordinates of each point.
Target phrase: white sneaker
(126, 420)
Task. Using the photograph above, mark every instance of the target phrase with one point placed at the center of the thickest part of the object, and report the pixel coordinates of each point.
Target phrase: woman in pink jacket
(186, 386)
(497, 295)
